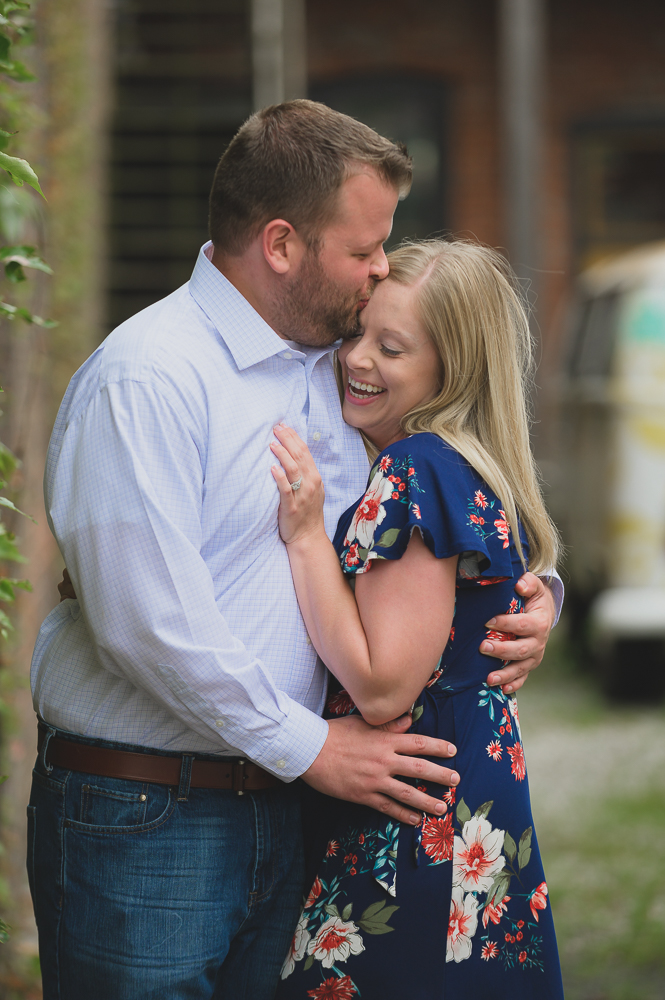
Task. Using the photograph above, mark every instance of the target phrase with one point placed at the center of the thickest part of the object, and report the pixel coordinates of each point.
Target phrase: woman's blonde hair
(471, 307)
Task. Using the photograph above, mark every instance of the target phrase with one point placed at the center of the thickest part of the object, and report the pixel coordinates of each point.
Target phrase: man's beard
(312, 309)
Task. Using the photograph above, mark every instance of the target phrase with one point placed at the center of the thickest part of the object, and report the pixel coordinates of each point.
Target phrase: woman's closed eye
(389, 352)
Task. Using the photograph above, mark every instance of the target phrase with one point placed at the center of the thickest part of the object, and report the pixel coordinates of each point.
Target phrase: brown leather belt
(236, 775)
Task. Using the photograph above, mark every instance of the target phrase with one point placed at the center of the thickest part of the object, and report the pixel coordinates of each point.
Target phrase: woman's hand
(300, 509)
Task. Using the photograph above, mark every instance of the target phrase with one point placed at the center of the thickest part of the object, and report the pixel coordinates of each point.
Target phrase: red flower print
(502, 730)
(434, 678)
(476, 519)
(398, 479)
(352, 558)
(503, 528)
(480, 499)
(522, 956)
(391, 479)
(494, 913)
(332, 848)
(410, 471)
(438, 837)
(314, 893)
(520, 924)
(394, 496)
(449, 796)
(514, 607)
(485, 581)
(507, 937)
(537, 899)
(341, 703)
(490, 950)
(361, 838)
(519, 935)
(509, 728)
(352, 871)
(452, 634)
(402, 486)
(500, 636)
(517, 766)
(337, 988)
(385, 463)
(368, 510)
(494, 750)
(416, 510)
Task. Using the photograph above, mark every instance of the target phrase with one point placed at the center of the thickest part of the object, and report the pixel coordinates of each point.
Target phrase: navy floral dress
(458, 907)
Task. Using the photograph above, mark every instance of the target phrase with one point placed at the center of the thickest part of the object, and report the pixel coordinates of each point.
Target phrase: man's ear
(282, 248)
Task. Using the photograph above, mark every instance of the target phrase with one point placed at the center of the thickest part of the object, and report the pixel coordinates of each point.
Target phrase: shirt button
(287, 355)
(317, 435)
(219, 723)
(308, 640)
(281, 764)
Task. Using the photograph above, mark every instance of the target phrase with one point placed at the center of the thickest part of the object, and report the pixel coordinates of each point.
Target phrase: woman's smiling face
(390, 367)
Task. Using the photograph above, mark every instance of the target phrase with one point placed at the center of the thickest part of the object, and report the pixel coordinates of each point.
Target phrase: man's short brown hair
(288, 162)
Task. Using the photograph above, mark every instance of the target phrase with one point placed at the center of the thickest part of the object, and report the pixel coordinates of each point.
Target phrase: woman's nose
(358, 358)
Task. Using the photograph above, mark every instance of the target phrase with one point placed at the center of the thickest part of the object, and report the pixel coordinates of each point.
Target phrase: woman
(457, 907)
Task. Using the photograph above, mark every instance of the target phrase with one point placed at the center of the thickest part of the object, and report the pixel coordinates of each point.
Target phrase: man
(163, 863)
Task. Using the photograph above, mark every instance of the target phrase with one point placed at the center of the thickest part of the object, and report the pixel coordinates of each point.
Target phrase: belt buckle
(239, 777)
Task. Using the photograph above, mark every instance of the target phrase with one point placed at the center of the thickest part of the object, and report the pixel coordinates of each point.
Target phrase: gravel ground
(597, 777)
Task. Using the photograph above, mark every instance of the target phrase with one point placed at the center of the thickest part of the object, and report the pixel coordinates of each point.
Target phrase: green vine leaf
(20, 170)
(309, 962)
(483, 811)
(4, 502)
(417, 712)
(346, 912)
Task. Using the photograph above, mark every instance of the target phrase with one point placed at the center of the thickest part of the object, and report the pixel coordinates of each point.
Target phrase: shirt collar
(246, 334)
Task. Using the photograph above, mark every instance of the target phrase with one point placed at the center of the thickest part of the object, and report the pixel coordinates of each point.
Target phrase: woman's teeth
(363, 389)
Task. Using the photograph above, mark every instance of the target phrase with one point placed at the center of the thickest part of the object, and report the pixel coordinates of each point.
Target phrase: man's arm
(531, 630)
(125, 500)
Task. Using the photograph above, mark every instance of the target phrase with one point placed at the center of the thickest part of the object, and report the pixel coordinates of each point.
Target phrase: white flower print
(370, 511)
(301, 938)
(335, 940)
(462, 924)
(477, 855)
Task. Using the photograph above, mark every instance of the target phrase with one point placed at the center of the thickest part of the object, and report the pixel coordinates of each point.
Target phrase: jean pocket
(30, 859)
(116, 806)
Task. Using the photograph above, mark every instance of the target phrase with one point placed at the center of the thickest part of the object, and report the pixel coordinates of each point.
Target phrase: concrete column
(522, 71)
(279, 57)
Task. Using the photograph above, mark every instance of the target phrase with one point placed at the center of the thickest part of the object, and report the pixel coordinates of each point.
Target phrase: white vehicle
(614, 457)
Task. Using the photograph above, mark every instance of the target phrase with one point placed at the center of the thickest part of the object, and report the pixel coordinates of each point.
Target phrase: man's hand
(66, 588)
(359, 763)
(531, 631)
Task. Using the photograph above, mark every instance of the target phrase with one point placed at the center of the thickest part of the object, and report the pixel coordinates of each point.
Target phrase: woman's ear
(282, 248)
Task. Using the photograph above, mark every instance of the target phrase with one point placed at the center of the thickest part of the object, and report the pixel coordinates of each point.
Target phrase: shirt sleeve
(125, 507)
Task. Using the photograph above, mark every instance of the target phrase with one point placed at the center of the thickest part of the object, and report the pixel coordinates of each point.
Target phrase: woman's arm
(384, 644)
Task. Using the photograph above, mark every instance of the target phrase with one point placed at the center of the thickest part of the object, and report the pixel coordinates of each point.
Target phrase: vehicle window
(595, 338)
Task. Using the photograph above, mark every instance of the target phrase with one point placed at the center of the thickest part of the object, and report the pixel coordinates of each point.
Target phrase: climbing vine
(16, 258)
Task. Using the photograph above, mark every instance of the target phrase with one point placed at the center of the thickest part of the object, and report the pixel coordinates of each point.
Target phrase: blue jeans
(139, 896)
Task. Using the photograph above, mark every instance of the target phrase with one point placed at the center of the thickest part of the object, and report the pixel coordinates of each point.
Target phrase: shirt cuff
(552, 580)
(298, 744)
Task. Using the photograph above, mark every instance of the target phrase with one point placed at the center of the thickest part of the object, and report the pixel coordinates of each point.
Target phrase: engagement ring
(298, 483)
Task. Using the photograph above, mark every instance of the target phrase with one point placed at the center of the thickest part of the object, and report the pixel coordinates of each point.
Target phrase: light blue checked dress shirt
(188, 636)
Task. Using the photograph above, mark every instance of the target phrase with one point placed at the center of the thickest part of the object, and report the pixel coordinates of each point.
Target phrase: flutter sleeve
(422, 483)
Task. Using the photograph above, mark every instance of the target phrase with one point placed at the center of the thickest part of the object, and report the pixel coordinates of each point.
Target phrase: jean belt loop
(185, 777)
(42, 756)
